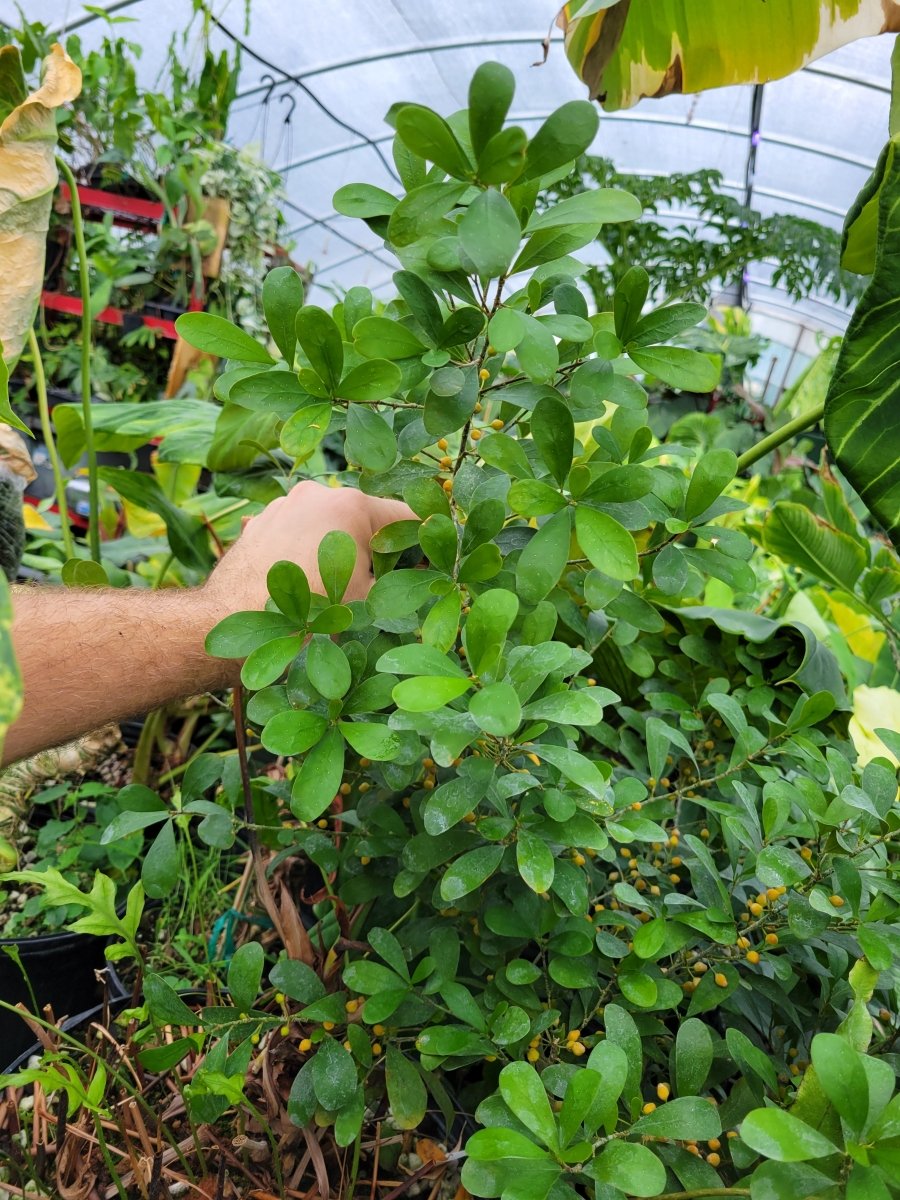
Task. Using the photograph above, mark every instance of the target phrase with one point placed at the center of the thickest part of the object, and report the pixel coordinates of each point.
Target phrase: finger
(385, 512)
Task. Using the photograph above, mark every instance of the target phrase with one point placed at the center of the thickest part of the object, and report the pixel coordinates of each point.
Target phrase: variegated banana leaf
(627, 49)
(28, 178)
(862, 407)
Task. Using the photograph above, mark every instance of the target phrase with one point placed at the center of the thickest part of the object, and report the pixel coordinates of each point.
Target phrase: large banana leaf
(862, 408)
(27, 181)
(627, 49)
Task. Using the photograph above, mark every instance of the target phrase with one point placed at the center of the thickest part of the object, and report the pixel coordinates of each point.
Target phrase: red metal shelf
(129, 210)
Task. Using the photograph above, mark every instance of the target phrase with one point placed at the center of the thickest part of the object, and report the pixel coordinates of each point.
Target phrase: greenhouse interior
(450, 498)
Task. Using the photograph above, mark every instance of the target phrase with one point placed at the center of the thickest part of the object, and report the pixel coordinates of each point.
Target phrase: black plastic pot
(61, 968)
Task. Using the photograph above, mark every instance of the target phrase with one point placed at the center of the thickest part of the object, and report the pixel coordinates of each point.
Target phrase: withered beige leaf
(28, 177)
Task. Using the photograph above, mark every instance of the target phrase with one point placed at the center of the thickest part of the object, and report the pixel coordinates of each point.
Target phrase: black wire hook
(292, 100)
(273, 84)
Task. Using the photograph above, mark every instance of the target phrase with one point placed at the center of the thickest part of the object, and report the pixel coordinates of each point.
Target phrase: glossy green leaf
(245, 975)
(282, 296)
(688, 1117)
(580, 770)
(535, 861)
(187, 535)
(496, 709)
(553, 431)
(405, 1089)
(491, 92)
(566, 133)
(487, 625)
(162, 862)
(425, 693)
(371, 740)
(414, 659)
(628, 301)
(693, 1056)
(629, 1166)
(293, 732)
(429, 136)
(319, 777)
(606, 543)
(370, 440)
(470, 871)
(524, 1093)
(499, 1145)
(781, 1136)
(334, 1075)
(327, 667)
(679, 367)
(288, 586)
(441, 627)
(375, 379)
(663, 324)
(215, 335)
(303, 432)
(363, 200)
(267, 663)
(382, 338)
(711, 475)
(241, 633)
(503, 158)
(336, 557)
(320, 341)
(489, 233)
(603, 205)
(839, 1069)
(544, 559)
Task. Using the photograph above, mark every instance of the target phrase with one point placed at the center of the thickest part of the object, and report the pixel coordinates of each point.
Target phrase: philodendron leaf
(862, 407)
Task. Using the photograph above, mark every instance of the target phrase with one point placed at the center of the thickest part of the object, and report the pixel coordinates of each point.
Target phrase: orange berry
(442, 444)
(714, 1144)
(663, 1091)
(578, 1048)
(836, 901)
(648, 1108)
(771, 939)
(475, 435)
(753, 956)
(496, 424)
(721, 980)
(713, 1159)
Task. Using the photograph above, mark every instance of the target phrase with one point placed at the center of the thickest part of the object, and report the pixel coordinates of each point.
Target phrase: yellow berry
(753, 956)
(648, 1108)
(478, 407)
(637, 806)
(305, 1046)
(573, 1035)
(475, 435)
(496, 423)
(442, 444)
(578, 860)
(364, 859)
(254, 1038)
(279, 997)
(365, 786)
(351, 1006)
(693, 1148)
(836, 901)
(347, 1046)
(773, 893)
(713, 1159)
(714, 1144)
(732, 1133)
(756, 908)
(446, 462)
(663, 1091)
(771, 939)
(447, 485)
(323, 824)
(376, 1048)
(806, 853)
(533, 1055)
(744, 942)
(699, 968)
(328, 1025)
(345, 789)
(675, 878)
(676, 861)
(721, 980)
(704, 833)
(285, 1030)
(484, 374)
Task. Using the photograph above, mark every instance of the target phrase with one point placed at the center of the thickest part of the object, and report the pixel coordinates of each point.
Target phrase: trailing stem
(86, 414)
(59, 483)
(773, 440)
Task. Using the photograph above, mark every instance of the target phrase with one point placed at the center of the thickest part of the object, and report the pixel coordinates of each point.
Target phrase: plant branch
(59, 484)
(773, 440)
(84, 278)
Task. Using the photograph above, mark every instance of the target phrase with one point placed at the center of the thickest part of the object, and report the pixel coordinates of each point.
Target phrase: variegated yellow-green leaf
(27, 181)
(637, 48)
(862, 408)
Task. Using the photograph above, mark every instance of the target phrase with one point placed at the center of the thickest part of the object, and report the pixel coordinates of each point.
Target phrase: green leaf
(566, 134)
(288, 586)
(400, 593)
(709, 478)
(862, 413)
(781, 1136)
(553, 431)
(448, 804)
(689, 1117)
(215, 335)
(370, 440)
(580, 770)
(496, 710)
(506, 329)
(241, 633)
(582, 706)
(840, 1071)
(334, 1075)
(489, 233)
(363, 200)
(750, 1059)
(165, 1005)
(296, 980)
(534, 498)
(491, 92)
(439, 542)
(275, 392)
(544, 559)
(282, 296)
(427, 692)
(602, 205)
(370, 978)
(503, 157)
(293, 732)
(441, 627)
(245, 975)
(414, 659)
(317, 782)
(677, 366)
(336, 561)
(493, 1145)
(301, 433)
(420, 212)
(663, 324)
(320, 341)
(374, 379)
(797, 535)
(327, 668)
(405, 1089)
(429, 136)
(627, 1166)
(267, 663)
(470, 871)
(524, 1093)
(187, 536)
(607, 544)
(693, 1056)
(159, 872)
(371, 740)
(628, 301)
(622, 1032)
(537, 352)
(487, 625)
(6, 412)
(650, 938)
(535, 861)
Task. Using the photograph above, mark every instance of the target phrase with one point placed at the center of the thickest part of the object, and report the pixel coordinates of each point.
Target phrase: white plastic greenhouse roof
(339, 65)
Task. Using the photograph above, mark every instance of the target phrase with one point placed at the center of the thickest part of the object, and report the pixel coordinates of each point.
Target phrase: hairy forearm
(92, 656)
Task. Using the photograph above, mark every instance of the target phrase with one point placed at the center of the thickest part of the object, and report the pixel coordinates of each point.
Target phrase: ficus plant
(597, 862)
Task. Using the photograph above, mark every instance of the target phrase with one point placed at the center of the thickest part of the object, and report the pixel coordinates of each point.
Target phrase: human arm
(90, 656)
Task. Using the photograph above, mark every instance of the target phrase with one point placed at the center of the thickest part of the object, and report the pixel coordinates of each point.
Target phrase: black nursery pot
(61, 969)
